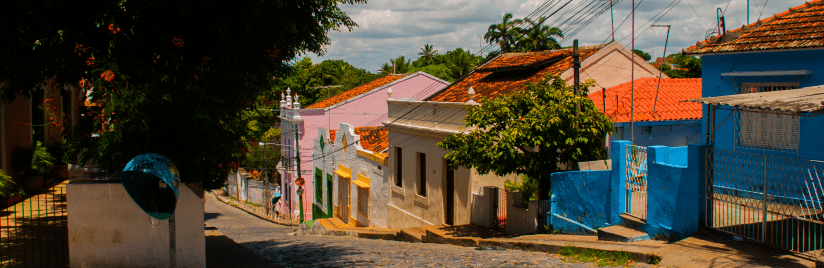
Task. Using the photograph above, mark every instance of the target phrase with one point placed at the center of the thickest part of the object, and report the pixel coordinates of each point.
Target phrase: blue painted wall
(675, 202)
(667, 133)
(811, 146)
(580, 196)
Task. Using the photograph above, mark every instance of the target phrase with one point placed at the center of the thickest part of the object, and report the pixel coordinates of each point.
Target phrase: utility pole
(748, 12)
(576, 65)
(632, 84)
(660, 67)
(300, 178)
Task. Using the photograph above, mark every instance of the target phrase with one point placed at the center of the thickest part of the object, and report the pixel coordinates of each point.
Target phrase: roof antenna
(660, 68)
(719, 13)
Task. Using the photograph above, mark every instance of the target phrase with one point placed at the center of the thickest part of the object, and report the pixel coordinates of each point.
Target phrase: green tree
(687, 66)
(172, 77)
(503, 33)
(538, 37)
(398, 65)
(428, 54)
(460, 62)
(531, 132)
(437, 70)
(642, 54)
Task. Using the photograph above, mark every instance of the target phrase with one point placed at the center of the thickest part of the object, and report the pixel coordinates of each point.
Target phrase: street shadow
(472, 231)
(751, 253)
(210, 216)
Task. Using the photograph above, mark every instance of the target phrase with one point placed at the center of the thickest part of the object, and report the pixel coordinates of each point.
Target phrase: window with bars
(363, 200)
(759, 129)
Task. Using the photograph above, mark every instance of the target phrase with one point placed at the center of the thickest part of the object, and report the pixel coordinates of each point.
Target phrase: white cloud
(391, 28)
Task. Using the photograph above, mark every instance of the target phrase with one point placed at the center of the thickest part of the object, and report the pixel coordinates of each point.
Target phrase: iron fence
(34, 232)
(636, 181)
(544, 209)
(772, 199)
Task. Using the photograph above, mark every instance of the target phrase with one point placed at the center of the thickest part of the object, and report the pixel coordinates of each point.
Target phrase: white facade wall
(334, 155)
(107, 229)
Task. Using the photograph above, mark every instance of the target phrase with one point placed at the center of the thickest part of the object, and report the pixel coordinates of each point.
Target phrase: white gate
(636, 177)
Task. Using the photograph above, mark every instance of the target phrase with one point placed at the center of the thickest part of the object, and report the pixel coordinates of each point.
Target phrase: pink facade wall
(368, 109)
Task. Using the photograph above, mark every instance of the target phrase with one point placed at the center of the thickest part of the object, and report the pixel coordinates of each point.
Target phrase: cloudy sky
(391, 28)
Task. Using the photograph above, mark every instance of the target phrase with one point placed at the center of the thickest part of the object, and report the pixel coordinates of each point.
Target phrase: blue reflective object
(153, 182)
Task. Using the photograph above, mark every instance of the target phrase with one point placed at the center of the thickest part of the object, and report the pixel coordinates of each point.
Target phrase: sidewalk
(701, 250)
(257, 211)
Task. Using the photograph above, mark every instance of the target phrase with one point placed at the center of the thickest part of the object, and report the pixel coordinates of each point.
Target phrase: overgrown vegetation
(601, 258)
(7, 186)
(528, 188)
(532, 131)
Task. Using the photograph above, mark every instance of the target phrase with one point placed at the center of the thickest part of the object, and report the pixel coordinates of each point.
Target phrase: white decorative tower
(471, 93)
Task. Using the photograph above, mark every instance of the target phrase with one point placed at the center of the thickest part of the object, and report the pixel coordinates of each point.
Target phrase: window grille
(762, 130)
(768, 131)
(363, 200)
(765, 87)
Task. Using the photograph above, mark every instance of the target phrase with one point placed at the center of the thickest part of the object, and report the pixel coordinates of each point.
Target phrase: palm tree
(538, 37)
(400, 65)
(427, 53)
(460, 62)
(503, 33)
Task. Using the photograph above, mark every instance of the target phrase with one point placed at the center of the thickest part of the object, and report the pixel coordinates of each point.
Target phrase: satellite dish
(152, 181)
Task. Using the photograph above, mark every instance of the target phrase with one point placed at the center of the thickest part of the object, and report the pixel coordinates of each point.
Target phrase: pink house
(361, 106)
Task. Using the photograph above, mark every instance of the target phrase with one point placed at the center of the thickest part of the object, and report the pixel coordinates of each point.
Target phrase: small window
(318, 185)
(757, 129)
(398, 166)
(363, 200)
(422, 174)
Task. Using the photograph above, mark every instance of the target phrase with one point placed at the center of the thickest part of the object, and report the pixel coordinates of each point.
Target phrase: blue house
(761, 87)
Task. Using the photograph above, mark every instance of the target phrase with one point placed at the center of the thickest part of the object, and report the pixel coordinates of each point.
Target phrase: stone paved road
(274, 243)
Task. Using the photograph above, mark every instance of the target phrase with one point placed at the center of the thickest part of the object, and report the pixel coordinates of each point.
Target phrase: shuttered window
(760, 129)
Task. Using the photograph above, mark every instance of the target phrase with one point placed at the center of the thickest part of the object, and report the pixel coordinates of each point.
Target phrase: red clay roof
(799, 27)
(669, 107)
(375, 139)
(509, 72)
(355, 91)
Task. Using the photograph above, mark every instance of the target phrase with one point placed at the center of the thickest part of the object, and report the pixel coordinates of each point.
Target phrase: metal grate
(499, 201)
(759, 130)
(636, 185)
(34, 231)
(765, 87)
(771, 199)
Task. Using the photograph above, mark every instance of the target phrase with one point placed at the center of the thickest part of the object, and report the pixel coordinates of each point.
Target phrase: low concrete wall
(587, 200)
(520, 220)
(107, 229)
(580, 198)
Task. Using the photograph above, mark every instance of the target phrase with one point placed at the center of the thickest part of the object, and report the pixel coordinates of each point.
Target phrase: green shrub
(528, 188)
(7, 186)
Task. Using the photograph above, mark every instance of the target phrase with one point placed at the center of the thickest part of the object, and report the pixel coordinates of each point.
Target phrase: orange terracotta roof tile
(669, 106)
(332, 136)
(375, 139)
(355, 91)
(797, 28)
(509, 72)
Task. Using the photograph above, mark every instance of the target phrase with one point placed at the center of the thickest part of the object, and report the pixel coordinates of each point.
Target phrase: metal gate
(772, 199)
(636, 177)
(34, 232)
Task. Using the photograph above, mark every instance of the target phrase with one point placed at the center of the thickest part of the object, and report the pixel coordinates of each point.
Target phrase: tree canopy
(312, 81)
(533, 36)
(642, 54)
(171, 77)
(684, 66)
(532, 132)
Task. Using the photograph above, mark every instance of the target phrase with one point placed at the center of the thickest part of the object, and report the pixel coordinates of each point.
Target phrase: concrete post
(618, 180)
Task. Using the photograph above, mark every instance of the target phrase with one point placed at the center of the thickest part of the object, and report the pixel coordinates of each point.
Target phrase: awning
(770, 73)
(343, 172)
(802, 100)
(362, 181)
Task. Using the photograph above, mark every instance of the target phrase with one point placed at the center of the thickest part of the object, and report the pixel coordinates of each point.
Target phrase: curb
(254, 211)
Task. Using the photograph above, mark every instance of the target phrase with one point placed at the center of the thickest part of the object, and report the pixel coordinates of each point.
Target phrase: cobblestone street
(274, 243)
